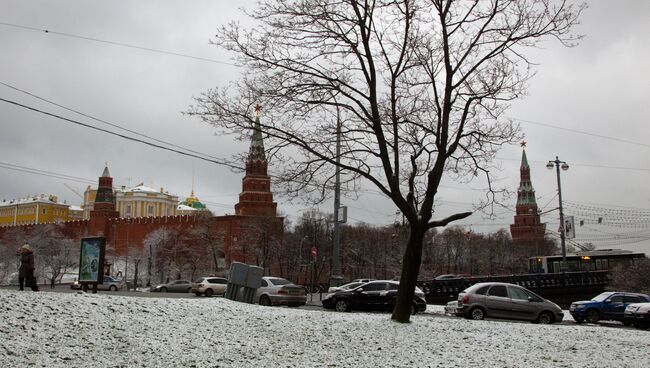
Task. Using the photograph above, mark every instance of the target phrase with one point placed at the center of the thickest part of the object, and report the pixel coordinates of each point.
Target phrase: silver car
(279, 291)
(110, 283)
(177, 286)
(502, 300)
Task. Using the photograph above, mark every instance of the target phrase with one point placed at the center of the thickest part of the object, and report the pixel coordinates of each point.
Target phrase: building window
(43, 210)
(150, 210)
(128, 210)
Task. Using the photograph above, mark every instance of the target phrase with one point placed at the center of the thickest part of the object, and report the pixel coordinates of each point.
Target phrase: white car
(209, 286)
(637, 314)
(347, 286)
(279, 291)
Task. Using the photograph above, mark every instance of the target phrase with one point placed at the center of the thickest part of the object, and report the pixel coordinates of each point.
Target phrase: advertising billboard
(91, 260)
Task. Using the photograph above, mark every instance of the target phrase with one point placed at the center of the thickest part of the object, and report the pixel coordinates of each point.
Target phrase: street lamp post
(557, 164)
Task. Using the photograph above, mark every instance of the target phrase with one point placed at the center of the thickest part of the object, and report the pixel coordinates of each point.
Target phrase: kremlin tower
(104, 207)
(256, 198)
(527, 227)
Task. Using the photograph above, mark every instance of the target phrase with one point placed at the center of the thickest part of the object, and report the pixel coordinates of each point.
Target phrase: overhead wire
(121, 44)
(581, 132)
(120, 135)
(103, 121)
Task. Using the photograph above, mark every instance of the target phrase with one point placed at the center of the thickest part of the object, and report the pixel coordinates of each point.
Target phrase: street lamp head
(550, 165)
(565, 166)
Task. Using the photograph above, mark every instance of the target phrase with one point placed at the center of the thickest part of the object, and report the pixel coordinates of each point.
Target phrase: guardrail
(562, 288)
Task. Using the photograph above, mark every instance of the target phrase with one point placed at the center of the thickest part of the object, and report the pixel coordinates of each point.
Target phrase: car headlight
(580, 307)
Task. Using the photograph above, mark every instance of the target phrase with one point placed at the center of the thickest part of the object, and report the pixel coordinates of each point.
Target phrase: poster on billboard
(91, 260)
(569, 227)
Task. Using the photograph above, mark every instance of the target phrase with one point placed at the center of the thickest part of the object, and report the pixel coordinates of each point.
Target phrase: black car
(374, 295)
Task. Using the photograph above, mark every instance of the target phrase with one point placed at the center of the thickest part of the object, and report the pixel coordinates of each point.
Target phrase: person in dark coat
(26, 271)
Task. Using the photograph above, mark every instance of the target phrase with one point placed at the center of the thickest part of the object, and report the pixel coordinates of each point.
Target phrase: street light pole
(335, 275)
(560, 164)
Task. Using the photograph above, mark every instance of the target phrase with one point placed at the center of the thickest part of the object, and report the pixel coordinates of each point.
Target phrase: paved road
(313, 303)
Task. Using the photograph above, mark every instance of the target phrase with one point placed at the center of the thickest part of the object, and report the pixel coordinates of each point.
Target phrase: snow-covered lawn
(85, 330)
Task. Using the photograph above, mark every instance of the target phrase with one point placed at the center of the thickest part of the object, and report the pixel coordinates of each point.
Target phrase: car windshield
(279, 281)
(474, 287)
(601, 297)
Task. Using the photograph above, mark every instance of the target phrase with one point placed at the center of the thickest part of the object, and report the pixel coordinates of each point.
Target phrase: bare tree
(154, 244)
(416, 88)
(634, 278)
(210, 237)
(11, 240)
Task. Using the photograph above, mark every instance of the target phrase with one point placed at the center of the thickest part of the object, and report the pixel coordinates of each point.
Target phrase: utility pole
(335, 275)
(560, 164)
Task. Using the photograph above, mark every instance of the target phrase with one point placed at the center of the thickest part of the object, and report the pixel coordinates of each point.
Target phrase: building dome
(193, 202)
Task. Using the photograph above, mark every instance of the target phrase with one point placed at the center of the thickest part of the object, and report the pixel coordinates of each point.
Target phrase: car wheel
(593, 316)
(265, 301)
(414, 310)
(342, 305)
(112, 288)
(163, 290)
(477, 313)
(641, 325)
(197, 294)
(208, 292)
(189, 290)
(545, 318)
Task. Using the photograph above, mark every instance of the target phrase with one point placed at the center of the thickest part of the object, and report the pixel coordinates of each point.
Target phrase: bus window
(604, 263)
(556, 267)
(599, 265)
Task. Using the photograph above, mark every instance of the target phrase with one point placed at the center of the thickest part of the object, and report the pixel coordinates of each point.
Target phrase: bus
(592, 260)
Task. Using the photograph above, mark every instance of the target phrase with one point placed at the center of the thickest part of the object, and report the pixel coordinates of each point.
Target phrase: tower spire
(256, 151)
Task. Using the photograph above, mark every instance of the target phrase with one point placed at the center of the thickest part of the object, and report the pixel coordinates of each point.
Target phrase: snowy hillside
(86, 330)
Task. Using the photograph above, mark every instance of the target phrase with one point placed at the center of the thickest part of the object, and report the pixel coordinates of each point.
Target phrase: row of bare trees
(56, 253)
(172, 253)
(376, 251)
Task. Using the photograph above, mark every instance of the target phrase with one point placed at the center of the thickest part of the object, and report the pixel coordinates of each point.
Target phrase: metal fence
(561, 288)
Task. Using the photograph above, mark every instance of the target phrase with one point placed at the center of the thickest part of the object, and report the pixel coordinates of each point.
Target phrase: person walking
(26, 271)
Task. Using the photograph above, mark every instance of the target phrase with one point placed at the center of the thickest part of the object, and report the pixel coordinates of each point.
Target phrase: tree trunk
(135, 274)
(410, 271)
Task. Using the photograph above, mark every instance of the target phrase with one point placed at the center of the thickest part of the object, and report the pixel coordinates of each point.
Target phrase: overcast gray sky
(588, 105)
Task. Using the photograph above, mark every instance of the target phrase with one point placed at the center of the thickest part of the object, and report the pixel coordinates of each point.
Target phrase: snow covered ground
(101, 330)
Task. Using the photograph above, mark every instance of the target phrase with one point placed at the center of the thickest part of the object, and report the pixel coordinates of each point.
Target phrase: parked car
(209, 286)
(447, 277)
(374, 295)
(503, 300)
(637, 314)
(110, 283)
(451, 308)
(609, 305)
(279, 291)
(178, 286)
(363, 280)
(348, 286)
